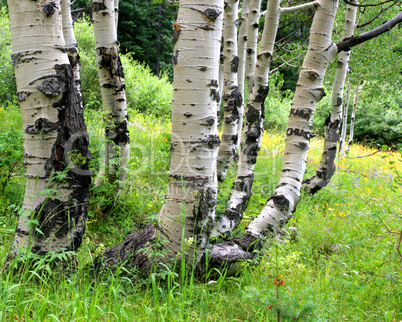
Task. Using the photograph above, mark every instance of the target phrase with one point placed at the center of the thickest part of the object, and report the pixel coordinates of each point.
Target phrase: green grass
(343, 266)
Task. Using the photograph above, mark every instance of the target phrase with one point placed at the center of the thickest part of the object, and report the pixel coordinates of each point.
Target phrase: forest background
(345, 254)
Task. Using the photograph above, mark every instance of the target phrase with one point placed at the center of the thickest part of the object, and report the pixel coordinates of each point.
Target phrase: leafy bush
(277, 105)
(8, 87)
(145, 92)
(379, 115)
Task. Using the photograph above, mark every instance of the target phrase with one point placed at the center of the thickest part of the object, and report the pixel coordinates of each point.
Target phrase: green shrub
(145, 92)
(8, 87)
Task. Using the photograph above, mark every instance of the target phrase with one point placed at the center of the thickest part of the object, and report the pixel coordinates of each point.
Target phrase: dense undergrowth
(343, 264)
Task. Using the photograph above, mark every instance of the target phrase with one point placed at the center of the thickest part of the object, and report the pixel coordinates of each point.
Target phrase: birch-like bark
(280, 206)
(56, 153)
(111, 79)
(353, 117)
(252, 40)
(186, 219)
(253, 128)
(71, 42)
(342, 139)
(326, 168)
(241, 52)
(231, 96)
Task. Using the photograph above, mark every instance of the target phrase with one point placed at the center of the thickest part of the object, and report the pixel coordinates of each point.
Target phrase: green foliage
(145, 92)
(379, 115)
(145, 31)
(8, 87)
(277, 105)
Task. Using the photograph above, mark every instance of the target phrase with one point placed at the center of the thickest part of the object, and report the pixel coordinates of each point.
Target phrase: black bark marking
(203, 68)
(250, 51)
(214, 93)
(299, 132)
(205, 201)
(252, 114)
(280, 202)
(262, 93)
(212, 14)
(42, 125)
(19, 57)
(110, 60)
(175, 57)
(304, 114)
(187, 114)
(73, 56)
(311, 75)
(49, 8)
(234, 64)
(210, 120)
(207, 27)
(22, 95)
(97, 6)
(339, 101)
(51, 87)
(233, 103)
(213, 83)
(131, 251)
(118, 134)
(248, 242)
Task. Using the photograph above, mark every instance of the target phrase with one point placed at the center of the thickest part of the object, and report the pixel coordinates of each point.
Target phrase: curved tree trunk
(280, 206)
(111, 78)
(353, 117)
(253, 129)
(252, 40)
(55, 137)
(231, 96)
(186, 219)
(342, 139)
(326, 168)
(241, 52)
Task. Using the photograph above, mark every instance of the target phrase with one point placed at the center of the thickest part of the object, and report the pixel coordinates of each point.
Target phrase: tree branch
(299, 7)
(348, 43)
(377, 16)
(366, 5)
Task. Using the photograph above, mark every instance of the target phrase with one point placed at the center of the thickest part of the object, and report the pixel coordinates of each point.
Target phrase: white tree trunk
(186, 219)
(231, 96)
(252, 40)
(241, 52)
(279, 208)
(353, 117)
(70, 41)
(111, 78)
(342, 139)
(253, 128)
(326, 168)
(55, 138)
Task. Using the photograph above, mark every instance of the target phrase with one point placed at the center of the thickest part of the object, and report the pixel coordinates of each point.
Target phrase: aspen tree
(326, 168)
(111, 79)
(231, 96)
(55, 137)
(188, 213)
(254, 115)
(353, 117)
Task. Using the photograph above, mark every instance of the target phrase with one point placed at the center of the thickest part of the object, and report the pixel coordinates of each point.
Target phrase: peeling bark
(111, 78)
(55, 135)
(326, 168)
